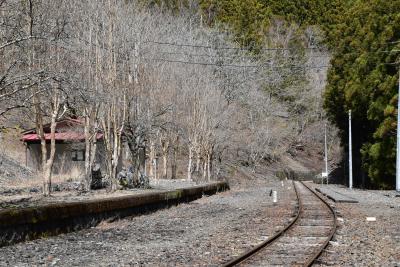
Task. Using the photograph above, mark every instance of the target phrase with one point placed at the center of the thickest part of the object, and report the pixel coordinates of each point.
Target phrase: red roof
(66, 136)
(68, 122)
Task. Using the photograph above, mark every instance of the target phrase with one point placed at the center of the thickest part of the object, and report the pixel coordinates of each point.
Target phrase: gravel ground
(359, 242)
(70, 193)
(34, 200)
(206, 232)
(212, 230)
(167, 184)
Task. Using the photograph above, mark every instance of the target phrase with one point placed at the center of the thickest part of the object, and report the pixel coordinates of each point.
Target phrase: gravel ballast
(212, 230)
(208, 231)
(359, 242)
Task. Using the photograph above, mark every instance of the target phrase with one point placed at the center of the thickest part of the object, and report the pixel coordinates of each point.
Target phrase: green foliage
(306, 12)
(363, 80)
(360, 34)
(248, 19)
(171, 5)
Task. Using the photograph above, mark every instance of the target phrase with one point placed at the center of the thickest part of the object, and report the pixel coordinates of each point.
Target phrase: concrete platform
(18, 225)
(336, 196)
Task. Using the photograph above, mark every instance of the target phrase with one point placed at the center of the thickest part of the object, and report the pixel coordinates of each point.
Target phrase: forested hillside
(363, 37)
(209, 78)
(364, 78)
(156, 75)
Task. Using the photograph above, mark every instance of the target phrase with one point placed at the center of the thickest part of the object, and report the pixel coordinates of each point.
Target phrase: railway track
(302, 241)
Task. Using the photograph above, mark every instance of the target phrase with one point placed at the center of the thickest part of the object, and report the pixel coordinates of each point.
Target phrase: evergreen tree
(248, 19)
(362, 35)
(363, 79)
(171, 5)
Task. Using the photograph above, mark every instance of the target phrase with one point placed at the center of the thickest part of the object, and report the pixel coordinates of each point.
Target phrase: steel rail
(319, 251)
(247, 255)
(270, 240)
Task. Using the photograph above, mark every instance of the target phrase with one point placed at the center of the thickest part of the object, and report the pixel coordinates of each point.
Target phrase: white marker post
(398, 141)
(274, 197)
(350, 155)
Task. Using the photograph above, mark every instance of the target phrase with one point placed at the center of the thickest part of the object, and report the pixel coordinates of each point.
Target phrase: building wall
(64, 162)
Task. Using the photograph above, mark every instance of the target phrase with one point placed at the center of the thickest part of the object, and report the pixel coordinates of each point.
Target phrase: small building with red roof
(70, 147)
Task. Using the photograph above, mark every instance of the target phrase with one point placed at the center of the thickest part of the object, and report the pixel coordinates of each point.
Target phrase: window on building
(78, 155)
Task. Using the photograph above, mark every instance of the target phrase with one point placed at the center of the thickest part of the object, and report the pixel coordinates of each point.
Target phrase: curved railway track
(302, 241)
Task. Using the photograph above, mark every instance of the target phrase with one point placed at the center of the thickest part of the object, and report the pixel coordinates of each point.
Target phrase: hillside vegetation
(155, 75)
(211, 79)
(364, 39)
(364, 78)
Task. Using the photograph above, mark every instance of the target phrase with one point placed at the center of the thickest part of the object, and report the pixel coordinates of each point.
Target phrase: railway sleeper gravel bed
(359, 242)
(306, 242)
(206, 232)
(20, 224)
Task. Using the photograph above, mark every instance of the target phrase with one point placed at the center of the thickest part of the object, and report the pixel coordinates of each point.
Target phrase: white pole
(326, 159)
(350, 155)
(398, 142)
(274, 197)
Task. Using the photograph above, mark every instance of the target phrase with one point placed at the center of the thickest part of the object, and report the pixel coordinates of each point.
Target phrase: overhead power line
(267, 65)
(227, 48)
(228, 57)
(271, 66)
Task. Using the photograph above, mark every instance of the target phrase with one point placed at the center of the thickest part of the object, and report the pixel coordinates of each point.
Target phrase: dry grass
(36, 181)
(74, 175)
(12, 146)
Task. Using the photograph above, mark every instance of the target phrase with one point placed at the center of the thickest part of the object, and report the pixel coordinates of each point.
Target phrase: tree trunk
(48, 166)
(47, 163)
(174, 159)
(152, 159)
(165, 159)
(115, 158)
(93, 152)
(164, 142)
(173, 165)
(155, 168)
(145, 165)
(47, 180)
(113, 124)
(88, 171)
(107, 136)
(205, 170)
(198, 161)
(142, 161)
(209, 166)
(189, 171)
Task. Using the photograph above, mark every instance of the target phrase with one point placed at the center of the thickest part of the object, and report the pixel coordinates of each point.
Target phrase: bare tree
(161, 83)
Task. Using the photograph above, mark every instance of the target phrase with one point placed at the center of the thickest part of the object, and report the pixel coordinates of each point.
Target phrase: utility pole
(398, 141)
(350, 155)
(326, 159)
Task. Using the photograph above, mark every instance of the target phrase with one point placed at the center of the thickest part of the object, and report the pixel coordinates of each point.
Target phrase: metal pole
(398, 141)
(326, 159)
(350, 155)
